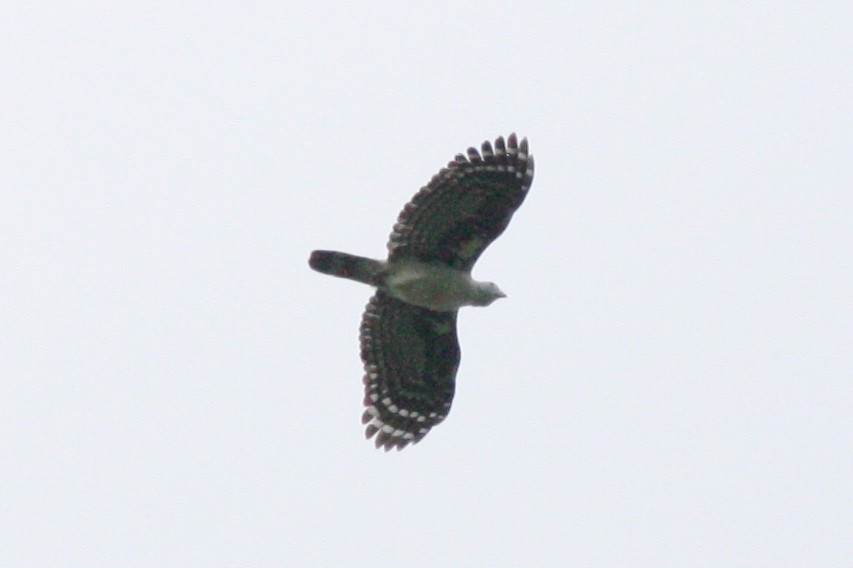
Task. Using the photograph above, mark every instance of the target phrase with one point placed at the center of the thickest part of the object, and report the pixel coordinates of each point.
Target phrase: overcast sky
(668, 384)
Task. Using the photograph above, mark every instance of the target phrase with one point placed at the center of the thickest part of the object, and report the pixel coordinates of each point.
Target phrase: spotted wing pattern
(465, 206)
(410, 359)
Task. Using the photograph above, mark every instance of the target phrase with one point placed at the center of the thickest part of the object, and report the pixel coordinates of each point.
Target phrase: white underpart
(437, 287)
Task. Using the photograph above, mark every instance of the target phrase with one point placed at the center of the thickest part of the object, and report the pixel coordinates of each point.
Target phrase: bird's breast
(434, 287)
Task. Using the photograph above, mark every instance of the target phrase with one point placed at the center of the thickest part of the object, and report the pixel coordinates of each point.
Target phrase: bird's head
(488, 292)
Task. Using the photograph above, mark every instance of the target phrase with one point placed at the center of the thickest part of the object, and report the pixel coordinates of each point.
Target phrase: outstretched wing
(410, 359)
(465, 207)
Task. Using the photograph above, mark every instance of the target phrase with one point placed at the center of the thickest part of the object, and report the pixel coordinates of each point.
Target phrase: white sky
(669, 383)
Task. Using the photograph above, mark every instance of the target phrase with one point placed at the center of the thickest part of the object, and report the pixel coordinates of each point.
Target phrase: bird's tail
(345, 265)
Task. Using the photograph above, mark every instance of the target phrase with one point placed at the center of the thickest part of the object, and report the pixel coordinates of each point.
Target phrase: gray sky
(668, 383)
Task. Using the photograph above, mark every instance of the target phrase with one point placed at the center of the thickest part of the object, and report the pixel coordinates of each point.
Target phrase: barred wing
(465, 206)
(410, 359)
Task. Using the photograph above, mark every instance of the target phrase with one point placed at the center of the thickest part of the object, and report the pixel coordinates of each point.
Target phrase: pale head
(487, 292)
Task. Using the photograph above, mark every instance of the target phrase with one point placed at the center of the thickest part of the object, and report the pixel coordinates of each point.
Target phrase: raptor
(408, 335)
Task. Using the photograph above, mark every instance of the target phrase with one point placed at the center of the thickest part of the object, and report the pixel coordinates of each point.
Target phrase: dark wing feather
(465, 207)
(410, 359)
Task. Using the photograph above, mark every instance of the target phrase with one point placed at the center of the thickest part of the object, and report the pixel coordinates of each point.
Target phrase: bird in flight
(408, 330)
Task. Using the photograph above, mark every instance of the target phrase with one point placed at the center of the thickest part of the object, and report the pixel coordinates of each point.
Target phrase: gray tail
(345, 265)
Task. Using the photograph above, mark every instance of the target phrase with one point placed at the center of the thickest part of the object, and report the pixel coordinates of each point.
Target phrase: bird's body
(438, 287)
(427, 285)
(408, 332)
